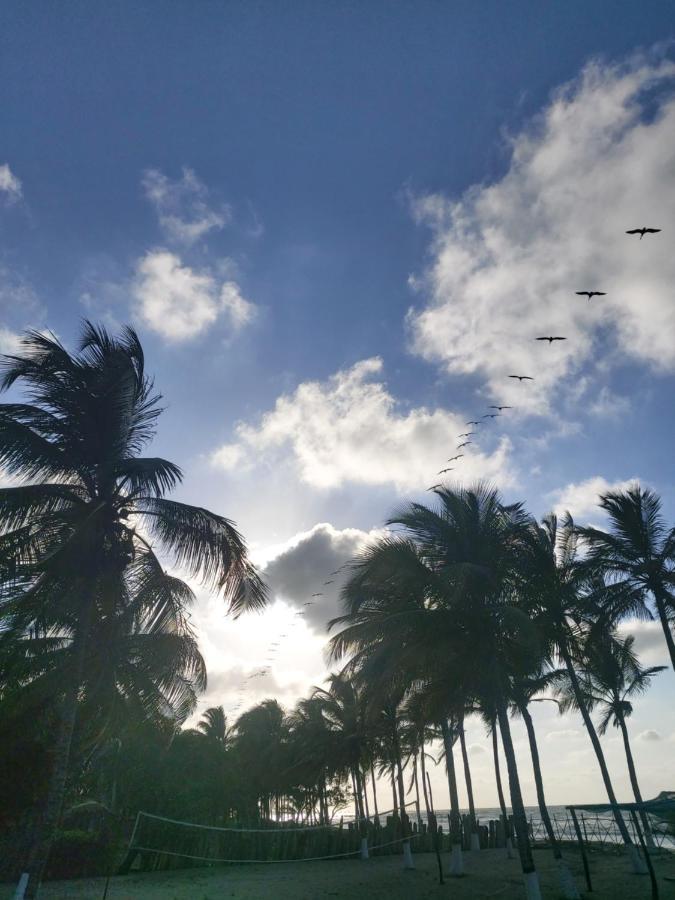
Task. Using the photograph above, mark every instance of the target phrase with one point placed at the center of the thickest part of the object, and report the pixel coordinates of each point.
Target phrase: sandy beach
(488, 874)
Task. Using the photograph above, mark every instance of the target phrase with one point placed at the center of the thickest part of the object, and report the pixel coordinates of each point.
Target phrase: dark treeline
(468, 607)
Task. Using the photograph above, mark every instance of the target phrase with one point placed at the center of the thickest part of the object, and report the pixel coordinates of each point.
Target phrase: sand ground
(488, 874)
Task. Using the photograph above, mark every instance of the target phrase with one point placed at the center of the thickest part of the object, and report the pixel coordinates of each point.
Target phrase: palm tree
(76, 531)
(558, 594)
(610, 677)
(440, 598)
(638, 554)
(213, 725)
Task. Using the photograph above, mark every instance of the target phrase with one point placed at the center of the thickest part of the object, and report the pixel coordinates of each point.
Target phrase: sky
(338, 228)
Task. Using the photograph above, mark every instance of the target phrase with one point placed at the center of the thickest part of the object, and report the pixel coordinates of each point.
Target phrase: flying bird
(308, 603)
(590, 294)
(550, 339)
(328, 582)
(490, 416)
(453, 458)
(443, 471)
(500, 408)
(522, 377)
(319, 594)
(465, 444)
(472, 423)
(643, 231)
(465, 434)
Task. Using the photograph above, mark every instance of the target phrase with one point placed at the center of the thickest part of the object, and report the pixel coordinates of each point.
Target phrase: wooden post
(584, 858)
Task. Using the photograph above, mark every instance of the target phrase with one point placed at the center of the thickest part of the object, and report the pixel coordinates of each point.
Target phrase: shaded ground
(489, 874)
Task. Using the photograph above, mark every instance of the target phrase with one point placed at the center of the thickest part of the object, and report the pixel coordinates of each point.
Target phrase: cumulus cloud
(307, 561)
(182, 206)
(650, 642)
(351, 429)
(650, 735)
(10, 186)
(507, 257)
(581, 498)
(180, 302)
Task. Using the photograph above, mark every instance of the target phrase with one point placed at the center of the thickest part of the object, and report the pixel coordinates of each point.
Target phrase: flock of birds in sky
(484, 419)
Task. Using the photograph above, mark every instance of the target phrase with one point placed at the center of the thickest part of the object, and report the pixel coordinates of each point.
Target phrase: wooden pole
(587, 871)
(652, 874)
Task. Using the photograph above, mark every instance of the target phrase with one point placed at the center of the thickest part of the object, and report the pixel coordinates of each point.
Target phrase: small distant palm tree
(638, 555)
(612, 676)
(75, 533)
(213, 725)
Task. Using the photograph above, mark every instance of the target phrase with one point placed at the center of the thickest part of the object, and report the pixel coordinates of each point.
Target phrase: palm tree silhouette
(637, 555)
(75, 535)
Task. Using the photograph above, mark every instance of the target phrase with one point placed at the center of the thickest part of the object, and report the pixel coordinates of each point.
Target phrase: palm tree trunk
(636, 862)
(567, 885)
(364, 779)
(500, 790)
(417, 790)
(520, 821)
(42, 844)
(424, 782)
(649, 837)
(665, 624)
(475, 840)
(407, 855)
(372, 779)
(456, 859)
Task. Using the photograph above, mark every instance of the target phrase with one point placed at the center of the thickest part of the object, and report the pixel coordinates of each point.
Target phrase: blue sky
(337, 228)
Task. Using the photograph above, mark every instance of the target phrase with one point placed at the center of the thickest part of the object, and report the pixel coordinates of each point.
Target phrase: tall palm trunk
(372, 781)
(500, 790)
(407, 855)
(423, 767)
(659, 595)
(636, 862)
(649, 837)
(417, 789)
(456, 859)
(568, 887)
(520, 821)
(364, 778)
(42, 845)
(475, 840)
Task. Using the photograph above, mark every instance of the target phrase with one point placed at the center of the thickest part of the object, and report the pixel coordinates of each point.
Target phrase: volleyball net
(159, 842)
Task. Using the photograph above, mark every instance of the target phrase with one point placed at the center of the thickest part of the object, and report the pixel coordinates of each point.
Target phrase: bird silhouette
(465, 434)
(490, 416)
(522, 377)
(590, 294)
(643, 231)
(328, 582)
(550, 339)
(465, 444)
(472, 423)
(308, 603)
(443, 471)
(319, 594)
(453, 458)
(500, 408)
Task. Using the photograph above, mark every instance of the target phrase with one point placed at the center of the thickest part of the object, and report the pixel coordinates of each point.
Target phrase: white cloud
(650, 735)
(10, 186)
(508, 257)
(180, 302)
(351, 429)
(182, 206)
(581, 498)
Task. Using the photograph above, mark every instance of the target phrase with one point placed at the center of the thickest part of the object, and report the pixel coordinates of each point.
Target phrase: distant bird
(472, 423)
(308, 603)
(522, 377)
(319, 594)
(465, 434)
(453, 458)
(550, 339)
(490, 416)
(643, 231)
(465, 444)
(328, 582)
(434, 487)
(590, 294)
(500, 408)
(443, 471)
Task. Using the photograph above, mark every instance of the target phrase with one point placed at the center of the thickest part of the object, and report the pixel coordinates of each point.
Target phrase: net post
(584, 858)
(131, 853)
